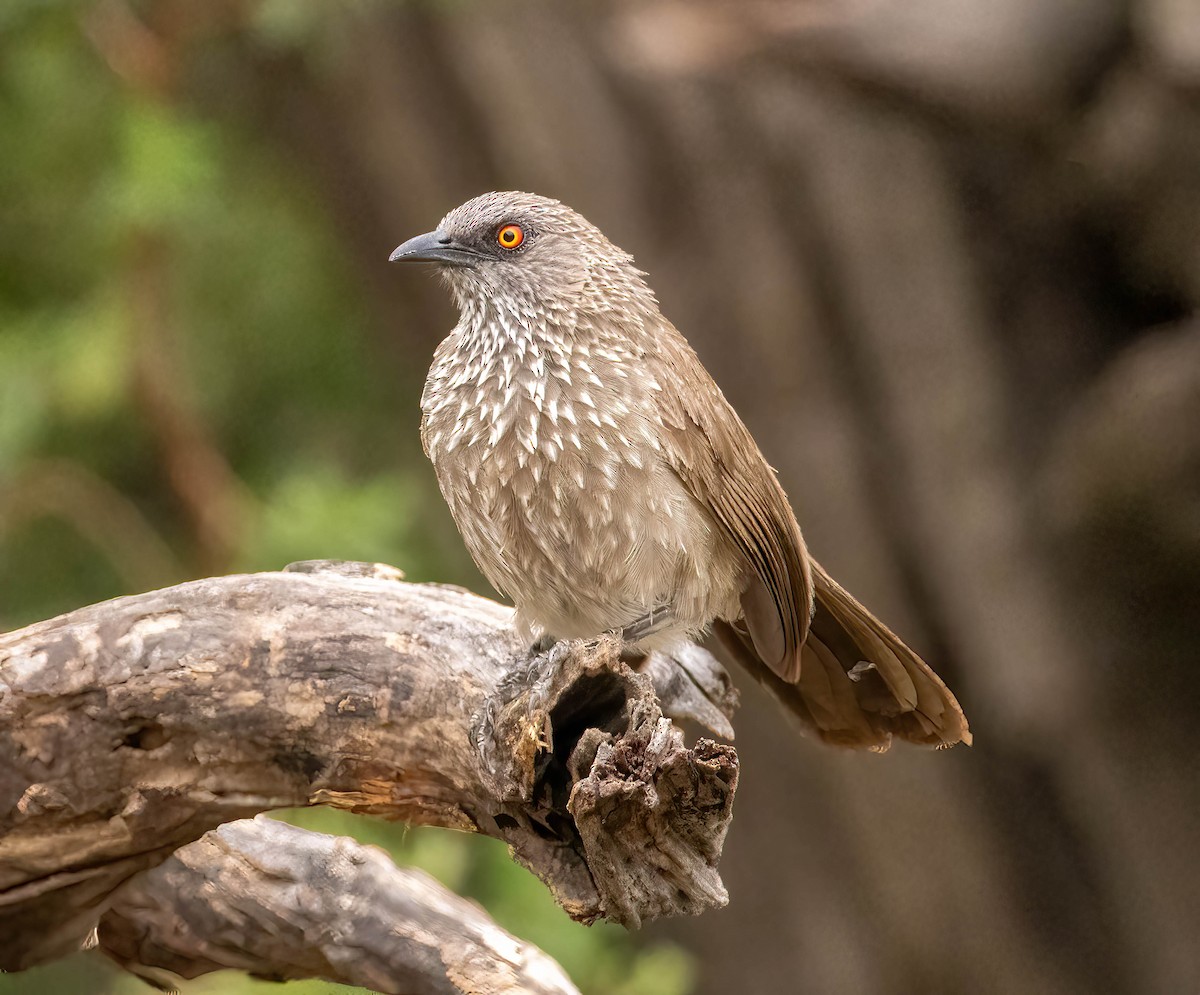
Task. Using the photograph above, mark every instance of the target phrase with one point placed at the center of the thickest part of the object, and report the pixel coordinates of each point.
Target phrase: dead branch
(276, 901)
(129, 729)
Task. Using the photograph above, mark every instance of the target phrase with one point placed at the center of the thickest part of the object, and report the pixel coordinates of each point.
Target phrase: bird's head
(528, 255)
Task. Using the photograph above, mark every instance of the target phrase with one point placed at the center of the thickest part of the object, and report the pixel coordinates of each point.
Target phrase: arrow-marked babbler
(602, 482)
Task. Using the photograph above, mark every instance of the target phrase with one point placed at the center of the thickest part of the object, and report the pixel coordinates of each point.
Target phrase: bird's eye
(510, 236)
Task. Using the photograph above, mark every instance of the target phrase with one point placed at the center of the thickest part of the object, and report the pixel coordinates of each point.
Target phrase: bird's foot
(530, 675)
(543, 645)
(533, 670)
(647, 625)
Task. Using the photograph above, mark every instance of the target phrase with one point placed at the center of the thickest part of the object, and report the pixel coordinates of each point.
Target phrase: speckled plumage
(601, 480)
(543, 422)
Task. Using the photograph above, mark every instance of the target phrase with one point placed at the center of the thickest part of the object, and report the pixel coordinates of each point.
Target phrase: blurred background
(942, 255)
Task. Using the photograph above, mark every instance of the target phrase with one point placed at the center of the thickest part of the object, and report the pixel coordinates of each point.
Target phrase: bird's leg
(534, 669)
(531, 675)
(543, 645)
(654, 620)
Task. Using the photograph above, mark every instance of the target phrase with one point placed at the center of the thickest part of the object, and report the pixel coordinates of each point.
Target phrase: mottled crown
(563, 267)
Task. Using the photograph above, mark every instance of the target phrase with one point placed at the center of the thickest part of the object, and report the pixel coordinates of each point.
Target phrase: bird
(601, 481)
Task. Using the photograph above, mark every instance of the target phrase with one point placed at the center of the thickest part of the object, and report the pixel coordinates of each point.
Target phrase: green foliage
(168, 167)
(260, 313)
(316, 512)
(273, 352)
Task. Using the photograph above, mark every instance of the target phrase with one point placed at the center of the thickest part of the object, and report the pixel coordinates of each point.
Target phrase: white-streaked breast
(547, 448)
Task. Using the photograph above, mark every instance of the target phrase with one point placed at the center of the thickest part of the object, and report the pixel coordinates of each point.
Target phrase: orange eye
(510, 236)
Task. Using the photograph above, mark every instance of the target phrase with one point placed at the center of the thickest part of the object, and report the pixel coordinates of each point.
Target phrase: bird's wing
(717, 460)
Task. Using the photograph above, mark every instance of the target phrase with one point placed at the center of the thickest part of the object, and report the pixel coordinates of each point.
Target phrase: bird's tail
(859, 685)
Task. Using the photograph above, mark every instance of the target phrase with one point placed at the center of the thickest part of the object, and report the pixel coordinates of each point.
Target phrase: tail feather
(859, 685)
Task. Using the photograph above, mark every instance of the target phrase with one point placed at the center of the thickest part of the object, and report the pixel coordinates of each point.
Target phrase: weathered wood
(276, 901)
(129, 729)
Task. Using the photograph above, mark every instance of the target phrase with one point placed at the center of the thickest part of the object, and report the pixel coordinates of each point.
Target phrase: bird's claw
(653, 621)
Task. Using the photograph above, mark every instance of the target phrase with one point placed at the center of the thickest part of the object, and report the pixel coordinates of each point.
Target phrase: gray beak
(435, 247)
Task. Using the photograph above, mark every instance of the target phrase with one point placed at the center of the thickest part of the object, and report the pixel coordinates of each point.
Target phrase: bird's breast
(551, 463)
(538, 429)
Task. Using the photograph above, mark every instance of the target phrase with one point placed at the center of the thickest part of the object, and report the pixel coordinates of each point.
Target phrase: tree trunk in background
(941, 256)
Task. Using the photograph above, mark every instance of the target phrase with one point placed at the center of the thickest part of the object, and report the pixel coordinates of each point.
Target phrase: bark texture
(296, 904)
(132, 727)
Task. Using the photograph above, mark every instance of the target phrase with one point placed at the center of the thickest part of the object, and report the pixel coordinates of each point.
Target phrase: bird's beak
(435, 247)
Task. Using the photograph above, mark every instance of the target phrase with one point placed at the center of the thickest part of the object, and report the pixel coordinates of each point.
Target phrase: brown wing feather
(832, 663)
(898, 687)
(859, 712)
(859, 685)
(715, 456)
